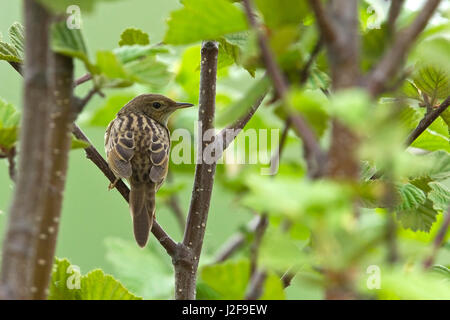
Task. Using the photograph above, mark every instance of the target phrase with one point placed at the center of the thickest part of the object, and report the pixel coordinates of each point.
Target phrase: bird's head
(155, 106)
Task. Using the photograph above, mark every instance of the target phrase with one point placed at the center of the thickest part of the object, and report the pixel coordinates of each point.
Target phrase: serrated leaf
(97, 285)
(420, 218)
(411, 197)
(9, 53)
(67, 283)
(434, 82)
(70, 42)
(148, 71)
(228, 279)
(410, 90)
(133, 36)
(16, 34)
(241, 107)
(64, 281)
(202, 20)
(440, 195)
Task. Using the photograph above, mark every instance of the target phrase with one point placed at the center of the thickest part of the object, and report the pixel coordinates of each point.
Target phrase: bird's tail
(142, 207)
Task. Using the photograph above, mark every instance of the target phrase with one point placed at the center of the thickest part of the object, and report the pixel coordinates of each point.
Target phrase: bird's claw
(112, 185)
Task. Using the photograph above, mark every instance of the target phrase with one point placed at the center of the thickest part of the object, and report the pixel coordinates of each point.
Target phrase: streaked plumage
(137, 144)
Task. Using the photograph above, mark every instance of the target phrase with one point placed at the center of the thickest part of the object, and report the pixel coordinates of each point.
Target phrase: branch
(394, 11)
(61, 120)
(93, 155)
(304, 73)
(82, 79)
(254, 249)
(186, 269)
(33, 164)
(300, 125)
(327, 29)
(255, 288)
(438, 240)
(393, 58)
(427, 121)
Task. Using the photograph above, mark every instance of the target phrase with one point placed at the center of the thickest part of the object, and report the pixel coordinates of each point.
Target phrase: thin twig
(258, 236)
(394, 11)
(82, 79)
(438, 240)
(304, 73)
(255, 288)
(427, 121)
(323, 21)
(236, 241)
(393, 58)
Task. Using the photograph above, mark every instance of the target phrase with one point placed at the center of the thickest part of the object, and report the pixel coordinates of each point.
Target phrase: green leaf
(134, 36)
(414, 285)
(282, 12)
(273, 288)
(9, 124)
(64, 281)
(228, 279)
(79, 144)
(202, 20)
(420, 218)
(103, 115)
(16, 34)
(148, 71)
(97, 285)
(147, 272)
(70, 42)
(67, 283)
(411, 197)
(434, 82)
(311, 105)
(351, 107)
(241, 107)
(14, 51)
(130, 53)
(440, 195)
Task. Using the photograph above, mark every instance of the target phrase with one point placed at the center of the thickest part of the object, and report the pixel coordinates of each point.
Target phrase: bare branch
(258, 236)
(186, 269)
(33, 165)
(82, 79)
(394, 11)
(324, 22)
(304, 73)
(393, 58)
(427, 121)
(255, 288)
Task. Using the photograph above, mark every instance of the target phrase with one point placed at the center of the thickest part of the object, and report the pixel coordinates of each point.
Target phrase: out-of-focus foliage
(330, 232)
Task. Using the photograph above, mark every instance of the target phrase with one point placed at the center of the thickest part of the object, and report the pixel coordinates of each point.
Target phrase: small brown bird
(137, 145)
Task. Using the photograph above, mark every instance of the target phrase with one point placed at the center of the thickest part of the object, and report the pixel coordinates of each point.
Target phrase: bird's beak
(181, 105)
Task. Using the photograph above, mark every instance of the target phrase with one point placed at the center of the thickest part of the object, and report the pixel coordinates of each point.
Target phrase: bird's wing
(158, 151)
(119, 147)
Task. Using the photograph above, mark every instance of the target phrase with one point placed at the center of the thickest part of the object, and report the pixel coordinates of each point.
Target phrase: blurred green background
(92, 214)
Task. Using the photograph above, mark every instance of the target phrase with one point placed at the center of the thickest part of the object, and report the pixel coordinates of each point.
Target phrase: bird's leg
(112, 185)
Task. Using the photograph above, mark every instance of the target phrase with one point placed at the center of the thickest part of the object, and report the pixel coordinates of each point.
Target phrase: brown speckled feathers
(137, 145)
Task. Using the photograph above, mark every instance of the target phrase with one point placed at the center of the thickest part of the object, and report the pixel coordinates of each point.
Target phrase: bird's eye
(156, 105)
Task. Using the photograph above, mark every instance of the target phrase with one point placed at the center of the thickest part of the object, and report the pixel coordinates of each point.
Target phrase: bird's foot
(112, 185)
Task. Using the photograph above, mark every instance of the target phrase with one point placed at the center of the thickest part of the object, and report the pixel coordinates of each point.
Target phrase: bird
(137, 145)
